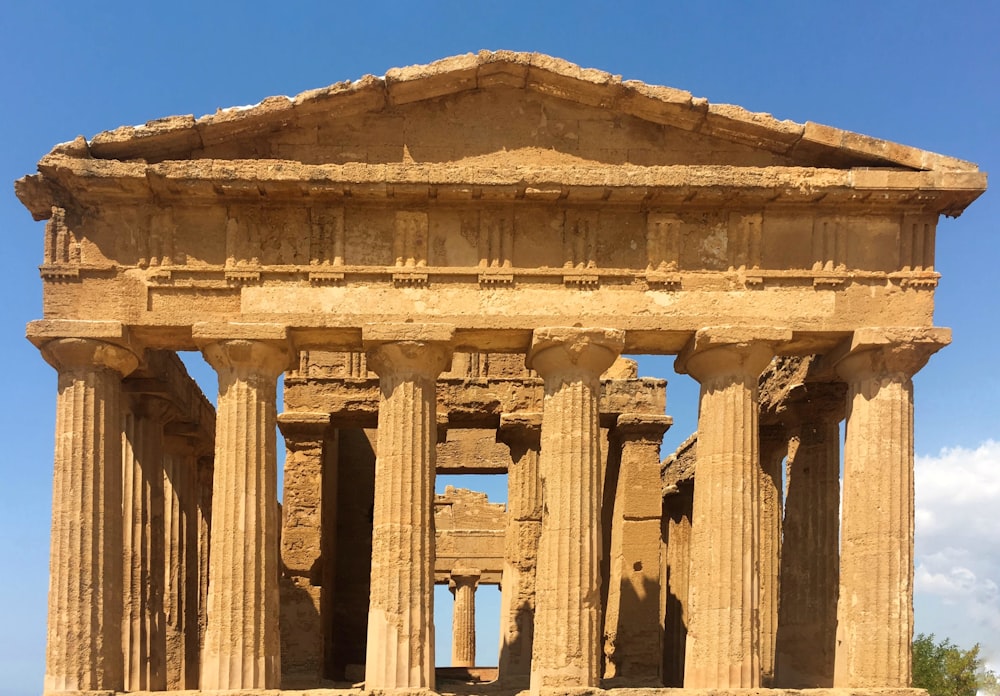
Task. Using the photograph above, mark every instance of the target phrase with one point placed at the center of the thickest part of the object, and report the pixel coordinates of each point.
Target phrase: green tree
(945, 669)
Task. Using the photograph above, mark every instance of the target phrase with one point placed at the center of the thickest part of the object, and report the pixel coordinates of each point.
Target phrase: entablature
(66, 182)
(483, 266)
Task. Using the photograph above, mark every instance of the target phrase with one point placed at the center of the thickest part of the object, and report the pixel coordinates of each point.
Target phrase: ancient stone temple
(448, 264)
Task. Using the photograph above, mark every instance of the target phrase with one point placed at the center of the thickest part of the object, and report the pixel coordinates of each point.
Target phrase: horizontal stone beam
(469, 404)
(91, 181)
(656, 320)
(483, 549)
(469, 451)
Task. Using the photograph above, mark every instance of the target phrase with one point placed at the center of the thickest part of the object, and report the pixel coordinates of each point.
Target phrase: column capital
(559, 349)
(730, 350)
(462, 576)
(888, 351)
(248, 356)
(422, 350)
(642, 426)
(244, 348)
(68, 354)
(410, 358)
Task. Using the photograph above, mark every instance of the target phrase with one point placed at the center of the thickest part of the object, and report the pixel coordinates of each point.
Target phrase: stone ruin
(446, 263)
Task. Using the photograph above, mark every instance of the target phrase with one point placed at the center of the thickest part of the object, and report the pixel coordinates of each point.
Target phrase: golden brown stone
(467, 207)
(567, 585)
(401, 614)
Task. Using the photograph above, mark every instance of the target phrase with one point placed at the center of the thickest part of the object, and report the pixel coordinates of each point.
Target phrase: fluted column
(521, 432)
(84, 648)
(807, 619)
(632, 631)
(677, 505)
(567, 646)
(241, 648)
(723, 641)
(206, 474)
(875, 605)
(180, 599)
(302, 581)
(144, 631)
(463, 584)
(773, 446)
(400, 649)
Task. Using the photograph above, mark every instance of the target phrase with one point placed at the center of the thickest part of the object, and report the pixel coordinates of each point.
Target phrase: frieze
(62, 250)
(187, 257)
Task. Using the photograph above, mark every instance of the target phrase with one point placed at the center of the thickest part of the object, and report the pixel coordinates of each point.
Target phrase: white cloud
(957, 546)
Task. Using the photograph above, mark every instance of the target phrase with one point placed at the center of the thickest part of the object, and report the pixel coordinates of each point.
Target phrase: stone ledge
(492, 689)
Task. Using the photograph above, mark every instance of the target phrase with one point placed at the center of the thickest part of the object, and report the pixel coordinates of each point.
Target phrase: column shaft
(302, 582)
(241, 648)
(192, 588)
(144, 625)
(875, 604)
(400, 649)
(632, 631)
(463, 626)
(677, 570)
(773, 446)
(807, 621)
(206, 470)
(83, 649)
(180, 599)
(723, 642)
(876, 614)
(522, 433)
(567, 646)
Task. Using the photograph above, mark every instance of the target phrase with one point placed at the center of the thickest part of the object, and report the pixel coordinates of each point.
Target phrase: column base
(493, 689)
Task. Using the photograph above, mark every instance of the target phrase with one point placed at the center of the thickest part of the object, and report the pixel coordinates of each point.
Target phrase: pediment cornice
(175, 137)
(196, 157)
(92, 181)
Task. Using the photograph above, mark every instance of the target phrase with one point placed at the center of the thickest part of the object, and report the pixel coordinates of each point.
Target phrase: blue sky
(923, 73)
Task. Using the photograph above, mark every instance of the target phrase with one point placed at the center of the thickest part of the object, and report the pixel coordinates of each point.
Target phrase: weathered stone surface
(521, 433)
(723, 642)
(181, 596)
(85, 611)
(632, 622)
(773, 447)
(463, 584)
(875, 621)
(567, 584)
(469, 533)
(302, 579)
(676, 573)
(401, 614)
(362, 234)
(144, 630)
(242, 642)
(807, 615)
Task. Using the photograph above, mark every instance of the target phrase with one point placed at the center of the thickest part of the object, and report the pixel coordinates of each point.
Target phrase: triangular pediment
(505, 109)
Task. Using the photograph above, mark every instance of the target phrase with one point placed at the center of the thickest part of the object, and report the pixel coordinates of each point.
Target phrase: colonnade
(241, 638)
(132, 507)
(826, 623)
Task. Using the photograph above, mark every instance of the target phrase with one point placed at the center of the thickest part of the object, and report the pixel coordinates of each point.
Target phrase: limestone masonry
(447, 264)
